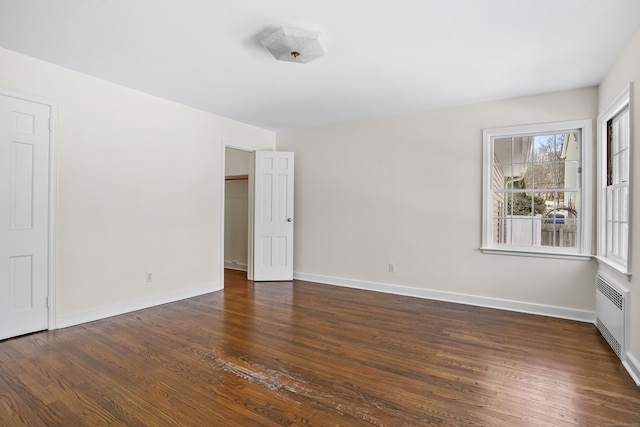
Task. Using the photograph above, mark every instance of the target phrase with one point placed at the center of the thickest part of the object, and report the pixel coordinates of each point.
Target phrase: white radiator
(611, 312)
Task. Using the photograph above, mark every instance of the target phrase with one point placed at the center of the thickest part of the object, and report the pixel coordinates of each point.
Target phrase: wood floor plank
(304, 354)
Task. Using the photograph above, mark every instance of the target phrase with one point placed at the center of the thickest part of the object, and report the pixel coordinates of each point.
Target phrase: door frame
(52, 190)
(251, 214)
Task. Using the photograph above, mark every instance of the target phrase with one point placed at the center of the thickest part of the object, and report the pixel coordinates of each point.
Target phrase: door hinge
(50, 125)
(46, 302)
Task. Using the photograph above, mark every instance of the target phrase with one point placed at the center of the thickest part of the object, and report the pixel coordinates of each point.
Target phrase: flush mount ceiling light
(286, 44)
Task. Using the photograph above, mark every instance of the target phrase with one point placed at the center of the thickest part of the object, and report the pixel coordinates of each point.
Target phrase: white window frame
(583, 249)
(620, 103)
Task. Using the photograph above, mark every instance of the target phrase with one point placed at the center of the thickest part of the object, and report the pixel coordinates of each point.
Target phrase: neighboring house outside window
(535, 191)
(614, 148)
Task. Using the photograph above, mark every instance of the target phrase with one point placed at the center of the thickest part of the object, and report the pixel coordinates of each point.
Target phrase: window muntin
(533, 200)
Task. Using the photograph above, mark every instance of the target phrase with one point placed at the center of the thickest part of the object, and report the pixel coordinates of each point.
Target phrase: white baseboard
(502, 304)
(632, 366)
(92, 314)
(235, 265)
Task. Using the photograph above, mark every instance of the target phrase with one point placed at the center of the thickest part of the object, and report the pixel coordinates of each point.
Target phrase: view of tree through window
(535, 189)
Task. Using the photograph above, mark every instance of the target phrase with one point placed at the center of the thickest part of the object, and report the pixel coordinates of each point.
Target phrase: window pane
(624, 130)
(571, 176)
(497, 229)
(560, 223)
(615, 143)
(615, 238)
(624, 241)
(514, 175)
(571, 203)
(502, 151)
(615, 171)
(624, 166)
(525, 204)
(523, 230)
(615, 204)
(546, 175)
(522, 149)
(500, 217)
(498, 178)
(546, 148)
(624, 204)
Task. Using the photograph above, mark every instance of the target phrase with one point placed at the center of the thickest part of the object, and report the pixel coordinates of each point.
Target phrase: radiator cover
(611, 312)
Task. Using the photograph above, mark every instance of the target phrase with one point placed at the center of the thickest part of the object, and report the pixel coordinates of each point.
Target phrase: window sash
(617, 189)
(614, 169)
(497, 220)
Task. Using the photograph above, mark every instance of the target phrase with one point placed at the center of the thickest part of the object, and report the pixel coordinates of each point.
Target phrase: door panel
(273, 230)
(24, 216)
(21, 198)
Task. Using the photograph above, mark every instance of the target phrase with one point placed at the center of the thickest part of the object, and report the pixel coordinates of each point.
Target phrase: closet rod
(235, 177)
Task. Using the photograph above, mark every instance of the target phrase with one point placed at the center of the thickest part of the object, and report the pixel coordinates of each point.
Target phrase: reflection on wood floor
(297, 353)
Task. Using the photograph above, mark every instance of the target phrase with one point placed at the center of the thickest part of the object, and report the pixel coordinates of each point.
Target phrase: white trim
(632, 366)
(622, 101)
(538, 128)
(97, 313)
(586, 147)
(235, 265)
(620, 269)
(530, 253)
(497, 303)
(53, 197)
(53, 209)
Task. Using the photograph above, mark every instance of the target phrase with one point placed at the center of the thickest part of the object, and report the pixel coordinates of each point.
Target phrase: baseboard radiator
(612, 301)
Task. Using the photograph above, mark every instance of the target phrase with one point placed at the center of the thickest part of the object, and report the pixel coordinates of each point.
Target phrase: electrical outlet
(149, 277)
(392, 268)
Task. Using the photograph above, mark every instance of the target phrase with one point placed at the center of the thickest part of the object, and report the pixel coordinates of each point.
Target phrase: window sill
(618, 268)
(537, 254)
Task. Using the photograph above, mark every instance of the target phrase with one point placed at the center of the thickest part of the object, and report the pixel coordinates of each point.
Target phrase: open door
(273, 216)
(24, 216)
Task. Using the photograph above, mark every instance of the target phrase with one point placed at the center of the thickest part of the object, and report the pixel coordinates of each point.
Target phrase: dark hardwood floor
(296, 353)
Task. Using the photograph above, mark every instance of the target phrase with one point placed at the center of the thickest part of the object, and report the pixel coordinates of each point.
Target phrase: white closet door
(24, 216)
(273, 230)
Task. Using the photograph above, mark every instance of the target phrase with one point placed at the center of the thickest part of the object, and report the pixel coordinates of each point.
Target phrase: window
(614, 147)
(536, 189)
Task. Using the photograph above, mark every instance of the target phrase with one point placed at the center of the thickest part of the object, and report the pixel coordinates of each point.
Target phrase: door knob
(289, 219)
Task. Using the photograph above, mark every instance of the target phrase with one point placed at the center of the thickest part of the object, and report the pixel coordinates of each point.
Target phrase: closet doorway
(238, 165)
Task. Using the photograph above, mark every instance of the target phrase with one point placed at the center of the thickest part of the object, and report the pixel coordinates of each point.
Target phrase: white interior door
(273, 216)
(24, 216)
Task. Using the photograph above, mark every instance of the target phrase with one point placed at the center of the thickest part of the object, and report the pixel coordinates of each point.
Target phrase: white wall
(237, 162)
(139, 190)
(626, 69)
(408, 190)
(236, 230)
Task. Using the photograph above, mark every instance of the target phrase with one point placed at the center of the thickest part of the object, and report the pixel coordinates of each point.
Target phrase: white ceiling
(385, 57)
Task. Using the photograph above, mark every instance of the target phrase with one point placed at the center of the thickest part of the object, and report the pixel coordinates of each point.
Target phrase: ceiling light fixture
(286, 44)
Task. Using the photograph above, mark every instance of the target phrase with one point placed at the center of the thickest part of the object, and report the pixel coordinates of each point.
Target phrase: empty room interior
(408, 213)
